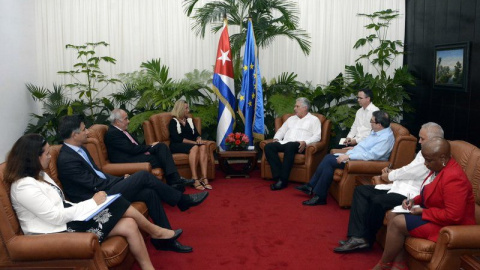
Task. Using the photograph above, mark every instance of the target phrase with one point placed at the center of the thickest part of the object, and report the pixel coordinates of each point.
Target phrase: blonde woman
(184, 138)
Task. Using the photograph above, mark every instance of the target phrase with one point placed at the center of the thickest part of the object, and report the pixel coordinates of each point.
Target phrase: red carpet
(244, 225)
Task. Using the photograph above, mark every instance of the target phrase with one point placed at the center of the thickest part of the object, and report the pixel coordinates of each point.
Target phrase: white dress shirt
(39, 206)
(408, 179)
(295, 129)
(361, 126)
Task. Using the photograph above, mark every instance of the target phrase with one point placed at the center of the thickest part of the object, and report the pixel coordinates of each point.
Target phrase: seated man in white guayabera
(296, 133)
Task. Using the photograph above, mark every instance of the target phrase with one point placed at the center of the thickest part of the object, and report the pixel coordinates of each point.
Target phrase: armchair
(97, 149)
(304, 165)
(57, 250)
(403, 152)
(156, 130)
(453, 241)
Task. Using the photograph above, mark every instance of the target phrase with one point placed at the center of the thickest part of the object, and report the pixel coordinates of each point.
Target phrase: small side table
(249, 156)
(470, 262)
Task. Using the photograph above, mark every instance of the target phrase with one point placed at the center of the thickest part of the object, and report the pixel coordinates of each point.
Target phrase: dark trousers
(161, 157)
(145, 187)
(323, 176)
(281, 171)
(369, 206)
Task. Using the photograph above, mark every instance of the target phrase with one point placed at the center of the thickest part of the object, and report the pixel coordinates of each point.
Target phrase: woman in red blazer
(441, 203)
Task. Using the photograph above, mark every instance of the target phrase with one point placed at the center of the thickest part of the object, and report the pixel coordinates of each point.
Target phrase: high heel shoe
(204, 183)
(176, 234)
(198, 185)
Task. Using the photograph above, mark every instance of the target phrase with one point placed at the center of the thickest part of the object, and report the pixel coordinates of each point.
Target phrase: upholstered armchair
(57, 250)
(304, 165)
(453, 241)
(402, 154)
(155, 129)
(97, 149)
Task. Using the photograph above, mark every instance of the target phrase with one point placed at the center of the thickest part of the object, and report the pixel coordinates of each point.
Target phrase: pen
(389, 166)
(408, 201)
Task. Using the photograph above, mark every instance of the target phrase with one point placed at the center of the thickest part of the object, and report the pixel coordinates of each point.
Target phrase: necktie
(133, 140)
(130, 137)
(84, 155)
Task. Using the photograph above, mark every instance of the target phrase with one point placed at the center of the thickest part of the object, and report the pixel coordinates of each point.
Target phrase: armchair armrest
(335, 151)
(314, 147)
(211, 144)
(460, 236)
(53, 246)
(377, 180)
(366, 167)
(264, 142)
(120, 169)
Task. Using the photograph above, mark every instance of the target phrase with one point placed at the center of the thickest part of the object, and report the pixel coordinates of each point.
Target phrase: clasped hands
(199, 141)
(100, 197)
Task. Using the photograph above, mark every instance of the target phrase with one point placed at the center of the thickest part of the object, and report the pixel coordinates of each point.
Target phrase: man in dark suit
(81, 178)
(123, 148)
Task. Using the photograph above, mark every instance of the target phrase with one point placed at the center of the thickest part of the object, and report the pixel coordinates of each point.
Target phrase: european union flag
(250, 100)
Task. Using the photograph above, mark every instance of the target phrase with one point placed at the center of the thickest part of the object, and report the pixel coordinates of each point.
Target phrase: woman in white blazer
(41, 207)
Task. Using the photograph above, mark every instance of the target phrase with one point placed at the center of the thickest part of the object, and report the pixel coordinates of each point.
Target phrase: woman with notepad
(41, 207)
(446, 198)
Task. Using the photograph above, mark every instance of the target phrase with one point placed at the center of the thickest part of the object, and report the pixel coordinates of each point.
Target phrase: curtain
(140, 30)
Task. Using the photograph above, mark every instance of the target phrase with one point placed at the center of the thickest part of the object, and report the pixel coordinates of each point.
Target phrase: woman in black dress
(41, 206)
(184, 138)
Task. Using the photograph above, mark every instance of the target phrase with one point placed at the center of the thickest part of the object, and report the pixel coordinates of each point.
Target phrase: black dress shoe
(315, 200)
(278, 185)
(190, 200)
(186, 182)
(352, 244)
(170, 245)
(305, 189)
(343, 242)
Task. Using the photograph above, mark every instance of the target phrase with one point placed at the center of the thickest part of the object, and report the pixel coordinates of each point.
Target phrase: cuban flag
(250, 100)
(223, 87)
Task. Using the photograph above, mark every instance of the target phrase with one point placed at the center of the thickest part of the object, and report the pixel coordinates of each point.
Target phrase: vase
(237, 148)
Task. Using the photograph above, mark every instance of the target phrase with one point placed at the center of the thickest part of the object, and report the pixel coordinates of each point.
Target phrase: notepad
(399, 209)
(90, 214)
(342, 141)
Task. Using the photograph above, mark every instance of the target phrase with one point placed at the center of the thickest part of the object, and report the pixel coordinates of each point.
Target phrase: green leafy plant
(156, 91)
(270, 18)
(389, 92)
(56, 104)
(88, 80)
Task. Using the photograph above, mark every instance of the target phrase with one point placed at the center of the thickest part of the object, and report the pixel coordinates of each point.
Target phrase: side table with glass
(227, 159)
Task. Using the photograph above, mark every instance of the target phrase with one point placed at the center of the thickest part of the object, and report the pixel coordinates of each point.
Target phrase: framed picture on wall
(451, 66)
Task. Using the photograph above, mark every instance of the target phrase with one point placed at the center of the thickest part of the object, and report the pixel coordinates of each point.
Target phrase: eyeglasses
(360, 98)
(373, 121)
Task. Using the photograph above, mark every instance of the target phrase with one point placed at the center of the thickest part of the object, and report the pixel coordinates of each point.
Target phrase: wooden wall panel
(435, 22)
